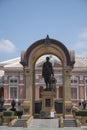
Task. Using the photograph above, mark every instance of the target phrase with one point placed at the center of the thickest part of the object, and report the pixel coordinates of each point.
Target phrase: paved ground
(42, 124)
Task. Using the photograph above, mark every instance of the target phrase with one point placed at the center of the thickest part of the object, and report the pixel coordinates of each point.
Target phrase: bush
(81, 113)
(8, 113)
(19, 113)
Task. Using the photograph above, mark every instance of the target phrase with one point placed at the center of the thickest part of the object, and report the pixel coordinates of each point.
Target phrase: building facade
(12, 84)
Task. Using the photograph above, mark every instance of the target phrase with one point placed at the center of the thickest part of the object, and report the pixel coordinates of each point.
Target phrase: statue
(84, 104)
(47, 72)
(13, 104)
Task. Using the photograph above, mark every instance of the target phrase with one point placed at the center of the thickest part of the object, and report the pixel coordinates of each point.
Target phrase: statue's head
(47, 58)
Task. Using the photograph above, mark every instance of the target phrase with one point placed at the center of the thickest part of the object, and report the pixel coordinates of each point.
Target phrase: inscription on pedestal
(68, 110)
(47, 102)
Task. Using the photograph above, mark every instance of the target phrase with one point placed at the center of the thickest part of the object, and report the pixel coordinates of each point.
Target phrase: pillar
(67, 103)
(27, 104)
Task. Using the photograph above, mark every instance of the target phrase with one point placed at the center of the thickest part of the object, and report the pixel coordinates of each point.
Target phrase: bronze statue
(47, 72)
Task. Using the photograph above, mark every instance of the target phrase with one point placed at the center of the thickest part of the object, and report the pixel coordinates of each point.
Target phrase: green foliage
(81, 113)
(8, 113)
(19, 113)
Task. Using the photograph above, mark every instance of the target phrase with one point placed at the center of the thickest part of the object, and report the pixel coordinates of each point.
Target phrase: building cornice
(13, 69)
(79, 69)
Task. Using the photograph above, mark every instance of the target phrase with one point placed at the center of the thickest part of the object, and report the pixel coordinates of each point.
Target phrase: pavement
(43, 124)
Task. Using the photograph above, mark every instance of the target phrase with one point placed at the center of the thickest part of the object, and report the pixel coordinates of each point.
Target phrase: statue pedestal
(68, 107)
(26, 107)
(48, 106)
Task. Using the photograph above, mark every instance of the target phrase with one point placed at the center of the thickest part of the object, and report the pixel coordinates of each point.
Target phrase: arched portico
(29, 58)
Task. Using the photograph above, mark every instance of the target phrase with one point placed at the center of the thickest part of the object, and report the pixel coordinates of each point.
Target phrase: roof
(11, 63)
(42, 59)
(80, 61)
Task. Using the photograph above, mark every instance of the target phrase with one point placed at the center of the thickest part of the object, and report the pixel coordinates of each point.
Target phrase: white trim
(81, 77)
(21, 84)
(79, 69)
(13, 69)
(5, 84)
(81, 85)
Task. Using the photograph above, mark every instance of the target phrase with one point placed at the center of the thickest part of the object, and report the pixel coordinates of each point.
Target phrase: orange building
(12, 80)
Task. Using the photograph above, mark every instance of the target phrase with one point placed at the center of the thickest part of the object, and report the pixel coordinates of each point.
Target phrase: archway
(40, 86)
(29, 58)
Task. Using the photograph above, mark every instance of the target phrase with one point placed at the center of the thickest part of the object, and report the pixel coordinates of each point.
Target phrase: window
(21, 77)
(13, 92)
(59, 78)
(85, 84)
(13, 87)
(13, 81)
(86, 81)
(37, 76)
(41, 81)
(74, 87)
(73, 81)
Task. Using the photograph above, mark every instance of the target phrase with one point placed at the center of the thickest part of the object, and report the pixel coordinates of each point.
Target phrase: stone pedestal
(68, 108)
(48, 104)
(26, 107)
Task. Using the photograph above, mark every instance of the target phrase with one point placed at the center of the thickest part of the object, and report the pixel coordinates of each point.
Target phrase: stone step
(69, 123)
(20, 123)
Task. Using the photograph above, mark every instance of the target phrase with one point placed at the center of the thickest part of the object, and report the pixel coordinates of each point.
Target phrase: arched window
(13, 87)
(74, 87)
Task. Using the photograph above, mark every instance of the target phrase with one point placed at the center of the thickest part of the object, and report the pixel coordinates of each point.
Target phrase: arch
(29, 58)
(52, 44)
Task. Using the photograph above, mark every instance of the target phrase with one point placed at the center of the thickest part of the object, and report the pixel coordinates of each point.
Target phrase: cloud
(81, 45)
(6, 46)
(83, 35)
(81, 48)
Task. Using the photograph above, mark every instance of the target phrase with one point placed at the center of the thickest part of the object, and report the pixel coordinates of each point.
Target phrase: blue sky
(22, 22)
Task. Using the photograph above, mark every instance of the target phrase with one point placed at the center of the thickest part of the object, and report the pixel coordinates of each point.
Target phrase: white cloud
(83, 35)
(80, 46)
(6, 46)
